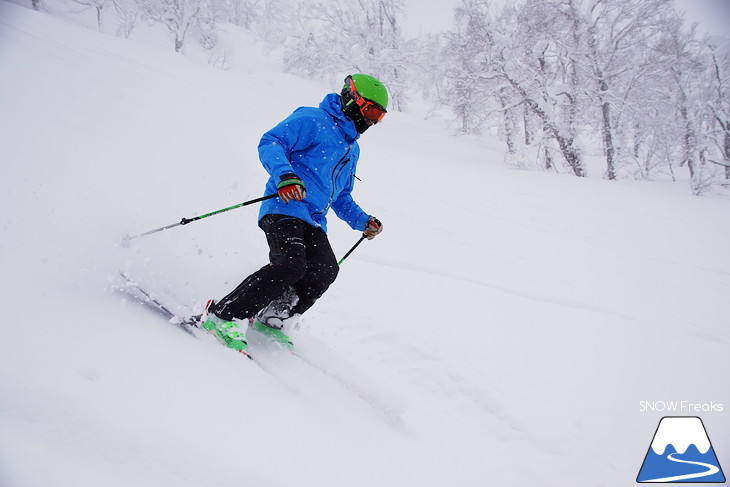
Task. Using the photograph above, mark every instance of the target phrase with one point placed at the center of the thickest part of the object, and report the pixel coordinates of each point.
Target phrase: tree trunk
(688, 141)
(526, 122)
(607, 132)
(99, 17)
(608, 141)
(726, 155)
(507, 124)
(570, 153)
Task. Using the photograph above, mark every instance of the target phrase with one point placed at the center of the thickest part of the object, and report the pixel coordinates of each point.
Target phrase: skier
(311, 157)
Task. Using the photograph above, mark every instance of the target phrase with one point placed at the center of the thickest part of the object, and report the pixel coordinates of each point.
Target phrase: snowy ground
(503, 330)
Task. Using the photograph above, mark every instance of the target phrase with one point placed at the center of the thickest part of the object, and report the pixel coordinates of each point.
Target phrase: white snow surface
(502, 330)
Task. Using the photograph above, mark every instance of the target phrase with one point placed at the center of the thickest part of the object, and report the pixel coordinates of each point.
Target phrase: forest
(626, 83)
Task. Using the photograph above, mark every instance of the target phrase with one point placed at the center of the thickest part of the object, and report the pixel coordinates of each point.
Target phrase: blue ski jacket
(320, 146)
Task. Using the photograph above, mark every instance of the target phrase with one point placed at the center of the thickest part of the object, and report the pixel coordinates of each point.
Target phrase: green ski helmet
(364, 100)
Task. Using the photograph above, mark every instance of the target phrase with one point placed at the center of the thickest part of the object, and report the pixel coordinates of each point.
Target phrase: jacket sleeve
(296, 132)
(349, 211)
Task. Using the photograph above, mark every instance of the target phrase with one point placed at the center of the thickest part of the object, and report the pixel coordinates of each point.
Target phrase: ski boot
(227, 332)
(270, 321)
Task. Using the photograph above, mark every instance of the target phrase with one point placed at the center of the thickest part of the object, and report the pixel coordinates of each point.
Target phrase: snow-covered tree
(357, 36)
(100, 7)
(243, 13)
(128, 12)
(719, 100)
(547, 50)
(626, 72)
(620, 39)
(180, 17)
(514, 59)
(466, 59)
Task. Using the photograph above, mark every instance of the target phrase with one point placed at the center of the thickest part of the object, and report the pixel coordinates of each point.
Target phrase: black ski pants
(300, 257)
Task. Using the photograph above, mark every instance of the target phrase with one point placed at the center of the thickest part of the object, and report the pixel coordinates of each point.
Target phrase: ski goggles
(371, 111)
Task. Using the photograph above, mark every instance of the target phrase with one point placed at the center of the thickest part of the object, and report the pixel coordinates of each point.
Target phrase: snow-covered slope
(501, 331)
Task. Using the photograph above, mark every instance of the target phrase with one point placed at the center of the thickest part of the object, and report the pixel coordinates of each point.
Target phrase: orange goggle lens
(371, 111)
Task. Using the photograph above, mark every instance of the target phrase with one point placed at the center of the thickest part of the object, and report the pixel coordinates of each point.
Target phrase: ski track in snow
(319, 361)
(552, 300)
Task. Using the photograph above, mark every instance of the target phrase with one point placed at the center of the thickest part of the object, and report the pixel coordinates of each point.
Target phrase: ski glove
(373, 228)
(291, 188)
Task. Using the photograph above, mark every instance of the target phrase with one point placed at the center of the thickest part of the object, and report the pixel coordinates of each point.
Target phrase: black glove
(373, 228)
(291, 188)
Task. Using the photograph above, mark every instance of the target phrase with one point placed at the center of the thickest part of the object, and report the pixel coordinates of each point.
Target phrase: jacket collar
(333, 106)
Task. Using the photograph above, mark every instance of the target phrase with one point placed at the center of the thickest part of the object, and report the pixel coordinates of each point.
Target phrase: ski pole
(127, 238)
(352, 249)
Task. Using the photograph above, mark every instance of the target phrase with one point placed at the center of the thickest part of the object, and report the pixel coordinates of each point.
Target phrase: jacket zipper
(335, 174)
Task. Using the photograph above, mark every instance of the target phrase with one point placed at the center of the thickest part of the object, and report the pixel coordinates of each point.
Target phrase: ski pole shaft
(185, 221)
(351, 250)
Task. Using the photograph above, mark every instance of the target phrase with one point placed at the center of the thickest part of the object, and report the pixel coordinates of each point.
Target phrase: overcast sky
(434, 15)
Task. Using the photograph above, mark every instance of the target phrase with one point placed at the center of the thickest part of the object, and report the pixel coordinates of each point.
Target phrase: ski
(141, 296)
(274, 335)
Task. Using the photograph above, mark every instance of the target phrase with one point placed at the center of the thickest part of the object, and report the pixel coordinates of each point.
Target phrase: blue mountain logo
(681, 452)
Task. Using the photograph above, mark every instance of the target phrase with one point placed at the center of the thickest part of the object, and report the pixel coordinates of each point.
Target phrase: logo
(681, 452)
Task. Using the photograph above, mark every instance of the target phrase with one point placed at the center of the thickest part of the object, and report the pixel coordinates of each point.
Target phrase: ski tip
(126, 277)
